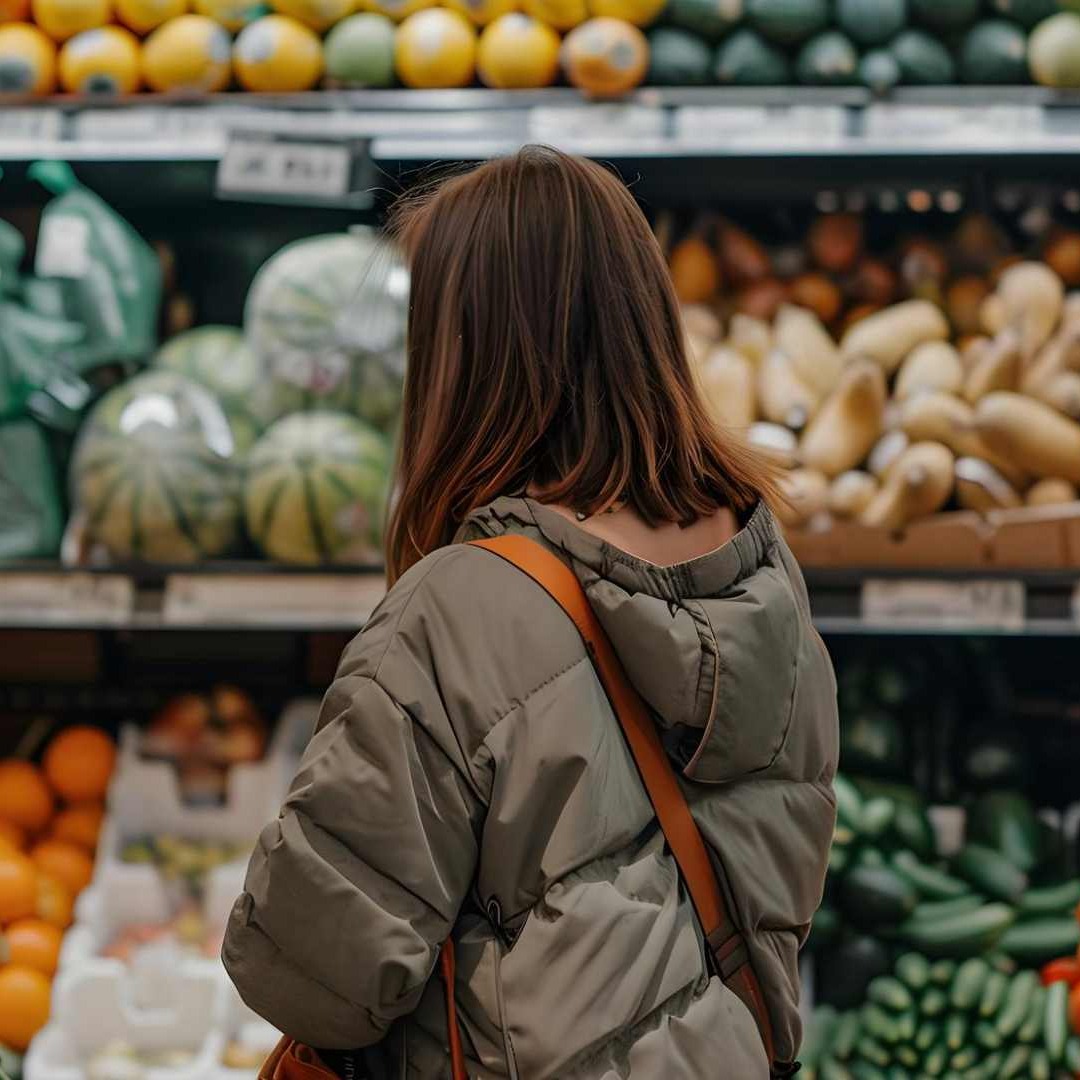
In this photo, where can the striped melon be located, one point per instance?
(219, 358)
(328, 314)
(155, 474)
(315, 487)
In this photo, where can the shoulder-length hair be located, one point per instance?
(545, 350)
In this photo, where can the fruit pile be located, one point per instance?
(50, 817)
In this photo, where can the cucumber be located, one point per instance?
(993, 994)
(942, 909)
(899, 1072)
(831, 1069)
(877, 816)
(890, 993)
(913, 970)
(942, 972)
(869, 856)
(1072, 1054)
(967, 986)
(991, 873)
(877, 1023)
(965, 934)
(1005, 822)
(1050, 900)
(1033, 943)
(912, 828)
(1031, 1030)
(999, 961)
(1056, 1022)
(955, 1032)
(863, 1070)
(1039, 1065)
(906, 1023)
(965, 1058)
(845, 1036)
(824, 929)
(987, 1069)
(1015, 1063)
(907, 1057)
(926, 880)
(819, 1036)
(987, 1036)
(1017, 999)
(871, 1050)
(936, 1059)
(933, 1003)
(874, 896)
(927, 1035)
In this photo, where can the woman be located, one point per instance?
(468, 777)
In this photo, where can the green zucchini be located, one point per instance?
(993, 994)
(1031, 1030)
(913, 970)
(863, 1070)
(966, 934)
(912, 828)
(991, 873)
(937, 1057)
(899, 1072)
(1039, 1065)
(999, 961)
(869, 1049)
(956, 1030)
(1056, 1022)
(1034, 942)
(878, 1024)
(926, 1035)
(967, 986)
(849, 803)
(1050, 900)
(907, 1056)
(965, 1058)
(934, 910)
(929, 882)
(905, 1025)
(1005, 822)
(819, 1036)
(845, 1036)
(877, 816)
(942, 972)
(867, 855)
(1015, 1063)
(987, 1036)
(1072, 1054)
(988, 1067)
(874, 896)
(933, 1003)
(1017, 999)
(890, 993)
(831, 1069)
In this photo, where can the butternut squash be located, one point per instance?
(727, 382)
(972, 350)
(998, 368)
(992, 315)
(850, 493)
(918, 484)
(776, 442)
(888, 336)
(848, 423)
(1032, 296)
(886, 452)
(784, 397)
(752, 337)
(1062, 391)
(1051, 492)
(1032, 435)
(813, 353)
(805, 495)
(934, 365)
(980, 487)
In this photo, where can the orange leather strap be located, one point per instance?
(453, 1032)
(725, 941)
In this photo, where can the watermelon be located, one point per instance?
(994, 51)
(1027, 13)
(923, 60)
(155, 473)
(315, 487)
(711, 19)
(747, 59)
(219, 358)
(787, 22)
(946, 14)
(827, 60)
(871, 22)
(1054, 51)
(327, 314)
(879, 71)
(678, 58)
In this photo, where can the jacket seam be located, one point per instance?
(535, 690)
(718, 669)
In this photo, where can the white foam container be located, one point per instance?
(238, 1016)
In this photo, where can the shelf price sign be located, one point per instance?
(63, 599)
(977, 604)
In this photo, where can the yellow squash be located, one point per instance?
(191, 53)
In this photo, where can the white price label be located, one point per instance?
(957, 125)
(781, 127)
(603, 121)
(63, 247)
(976, 604)
(286, 600)
(30, 124)
(253, 166)
(60, 599)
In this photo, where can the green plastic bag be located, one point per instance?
(31, 508)
(12, 250)
(109, 277)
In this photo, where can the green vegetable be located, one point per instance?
(878, 1024)
(824, 930)
(956, 1030)
(710, 19)
(747, 59)
(988, 1068)
(987, 1036)
(877, 816)
(942, 972)
(831, 1069)
(869, 856)
(968, 984)
(943, 909)
(1050, 900)
(829, 59)
(1017, 1001)
(1027, 13)
(889, 992)
(913, 969)
(964, 1058)
(871, 1050)
(839, 857)
(994, 51)
(874, 896)
(879, 71)
(933, 1003)
(946, 15)
(1031, 1030)
(1072, 1054)
(819, 1036)
(993, 994)
(787, 22)
(1034, 942)
(863, 1070)
(1005, 822)
(937, 1057)
(923, 60)
(900, 1071)
(1056, 1022)
(845, 1036)
(1015, 1062)
(871, 22)
(931, 883)
(991, 872)
(966, 934)
(927, 1035)
(845, 971)
(1039, 1065)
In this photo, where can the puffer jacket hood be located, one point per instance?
(467, 778)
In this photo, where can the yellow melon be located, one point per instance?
(27, 60)
(63, 19)
(558, 14)
(396, 9)
(234, 15)
(481, 12)
(638, 12)
(435, 48)
(191, 53)
(605, 57)
(279, 55)
(142, 16)
(14, 10)
(318, 14)
(103, 61)
(518, 52)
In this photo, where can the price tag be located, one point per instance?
(267, 166)
(607, 122)
(286, 600)
(63, 247)
(954, 125)
(977, 604)
(44, 124)
(782, 127)
(63, 599)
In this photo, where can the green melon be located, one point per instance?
(787, 22)
(359, 51)
(315, 487)
(923, 60)
(879, 71)
(1027, 13)
(1054, 51)
(747, 59)
(712, 19)
(155, 473)
(946, 14)
(871, 22)
(678, 58)
(828, 59)
(327, 314)
(994, 51)
(219, 358)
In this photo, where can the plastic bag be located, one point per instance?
(31, 508)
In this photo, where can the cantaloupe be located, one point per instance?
(435, 49)
(517, 52)
(359, 51)
(27, 60)
(191, 53)
(320, 15)
(277, 54)
(63, 19)
(104, 61)
(605, 57)
(142, 16)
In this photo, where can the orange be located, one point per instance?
(55, 905)
(79, 824)
(18, 887)
(25, 799)
(11, 836)
(66, 862)
(24, 1005)
(32, 943)
(79, 762)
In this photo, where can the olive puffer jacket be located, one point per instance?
(467, 776)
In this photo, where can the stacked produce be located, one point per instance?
(50, 817)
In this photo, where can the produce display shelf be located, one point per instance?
(403, 126)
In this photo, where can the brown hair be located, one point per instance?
(546, 349)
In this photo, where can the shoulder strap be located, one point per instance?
(726, 944)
